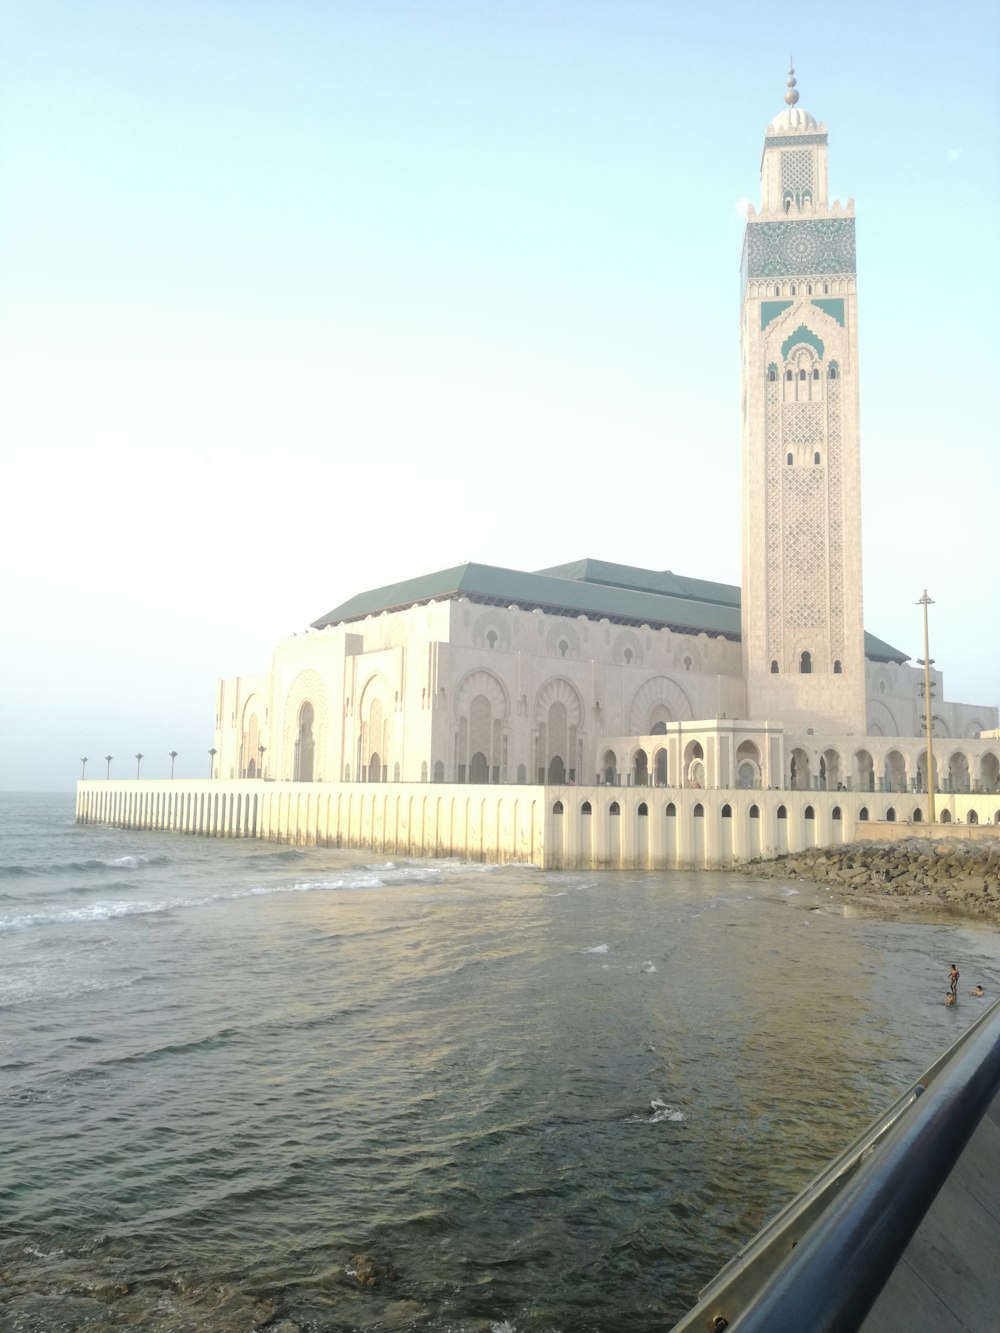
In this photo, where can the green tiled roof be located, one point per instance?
(593, 588)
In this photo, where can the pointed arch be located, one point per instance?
(660, 700)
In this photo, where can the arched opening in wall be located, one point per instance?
(864, 771)
(439, 771)
(658, 729)
(660, 767)
(996, 816)
(890, 814)
(670, 811)
(756, 837)
(748, 770)
(699, 812)
(789, 460)
(774, 666)
(727, 812)
(304, 745)
(557, 771)
(781, 829)
(800, 776)
(585, 809)
(694, 764)
(837, 668)
(252, 769)
(945, 816)
(614, 808)
(479, 769)
(609, 768)
(805, 663)
(557, 808)
(972, 817)
(640, 769)
(917, 816)
(782, 812)
(374, 767)
(989, 772)
(835, 813)
(522, 773)
(809, 813)
(863, 814)
(816, 456)
(755, 812)
(895, 772)
(958, 772)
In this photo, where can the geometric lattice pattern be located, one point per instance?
(797, 175)
(835, 520)
(805, 547)
(802, 423)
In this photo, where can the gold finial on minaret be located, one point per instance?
(792, 96)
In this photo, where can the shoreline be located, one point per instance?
(917, 877)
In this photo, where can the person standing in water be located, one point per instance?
(953, 979)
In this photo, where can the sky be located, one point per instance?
(303, 297)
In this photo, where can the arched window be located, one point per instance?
(671, 811)
(890, 815)
(491, 638)
(585, 808)
(777, 291)
(826, 289)
(557, 809)
(788, 460)
(918, 816)
(774, 667)
(699, 812)
(727, 812)
(815, 374)
(863, 812)
(805, 663)
(789, 374)
(816, 459)
(836, 812)
(614, 808)
(782, 812)
(643, 810)
(802, 374)
(831, 374)
(772, 374)
(809, 290)
(563, 647)
(837, 668)
(754, 812)
(809, 813)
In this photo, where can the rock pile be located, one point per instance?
(960, 877)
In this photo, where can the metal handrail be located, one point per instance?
(839, 1263)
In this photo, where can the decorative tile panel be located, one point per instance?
(832, 306)
(807, 246)
(794, 140)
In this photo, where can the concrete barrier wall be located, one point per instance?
(555, 827)
(899, 832)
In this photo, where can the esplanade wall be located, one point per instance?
(565, 827)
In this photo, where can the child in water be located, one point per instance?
(949, 997)
(953, 976)
(978, 992)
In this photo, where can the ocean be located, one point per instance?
(252, 1086)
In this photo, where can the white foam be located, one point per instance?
(648, 966)
(599, 948)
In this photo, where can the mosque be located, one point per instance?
(592, 673)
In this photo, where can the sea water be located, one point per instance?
(247, 1085)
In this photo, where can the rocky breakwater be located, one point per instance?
(918, 873)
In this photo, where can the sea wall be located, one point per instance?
(555, 827)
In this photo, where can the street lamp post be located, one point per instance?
(107, 759)
(83, 770)
(211, 761)
(926, 662)
(261, 749)
(173, 756)
(138, 765)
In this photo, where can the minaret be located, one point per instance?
(803, 637)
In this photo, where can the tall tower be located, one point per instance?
(803, 637)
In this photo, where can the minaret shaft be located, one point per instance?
(803, 637)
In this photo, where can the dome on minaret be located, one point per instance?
(793, 117)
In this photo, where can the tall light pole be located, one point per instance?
(138, 765)
(261, 749)
(107, 759)
(926, 662)
(83, 770)
(173, 756)
(211, 761)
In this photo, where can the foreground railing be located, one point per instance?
(821, 1263)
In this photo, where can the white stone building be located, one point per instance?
(596, 673)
